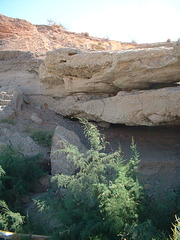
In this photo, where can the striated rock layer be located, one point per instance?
(106, 86)
(110, 72)
(150, 108)
(132, 87)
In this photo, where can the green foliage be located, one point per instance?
(176, 229)
(161, 208)
(8, 219)
(42, 137)
(9, 121)
(27, 128)
(101, 200)
(21, 173)
(146, 231)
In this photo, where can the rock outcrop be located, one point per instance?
(22, 143)
(10, 102)
(110, 72)
(130, 87)
(20, 70)
(149, 108)
(138, 86)
(59, 163)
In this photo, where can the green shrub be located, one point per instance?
(8, 219)
(101, 200)
(161, 208)
(42, 137)
(21, 173)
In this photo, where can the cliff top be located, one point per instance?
(18, 34)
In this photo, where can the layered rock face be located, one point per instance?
(19, 70)
(149, 108)
(132, 87)
(106, 72)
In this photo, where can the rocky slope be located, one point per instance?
(17, 34)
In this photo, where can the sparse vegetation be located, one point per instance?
(55, 24)
(17, 176)
(86, 34)
(9, 121)
(42, 137)
(27, 128)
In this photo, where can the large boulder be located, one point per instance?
(22, 143)
(59, 162)
(10, 102)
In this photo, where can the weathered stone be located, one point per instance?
(110, 72)
(72, 81)
(10, 102)
(36, 119)
(150, 108)
(59, 163)
(21, 142)
(25, 99)
(19, 70)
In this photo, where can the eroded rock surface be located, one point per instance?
(20, 70)
(132, 87)
(10, 102)
(110, 72)
(59, 163)
(21, 142)
(150, 108)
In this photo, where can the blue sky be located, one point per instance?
(122, 20)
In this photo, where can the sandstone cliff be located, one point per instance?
(107, 86)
